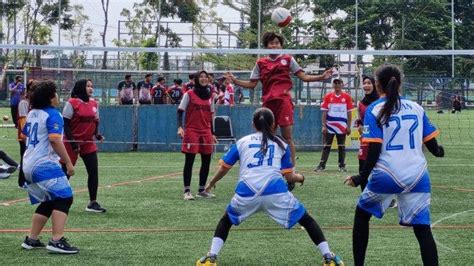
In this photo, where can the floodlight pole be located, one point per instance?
(452, 38)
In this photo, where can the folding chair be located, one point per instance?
(223, 131)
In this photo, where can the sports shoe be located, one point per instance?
(206, 195)
(319, 168)
(61, 246)
(188, 196)
(32, 244)
(209, 260)
(95, 207)
(342, 169)
(393, 204)
(11, 169)
(332, 259)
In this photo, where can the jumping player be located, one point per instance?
(197, 136)
(47, 183)
(81, 127)
(395, 130)
(264, 166)
(274, 72)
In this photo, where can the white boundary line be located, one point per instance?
(446, 218)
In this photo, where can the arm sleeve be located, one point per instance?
(23, 109)
(294, 67)
(180, 118)
(230, 158)
(350, 105)
(286, 165)
(372, 132)
(54, 125)
(372, 157)
(325, 104)
(68, 110)
(255, 75)
(429, 130)
(434, 148)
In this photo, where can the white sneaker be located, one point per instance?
(188, 196)
(206, 195)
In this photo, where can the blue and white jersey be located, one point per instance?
(259, 174)
(42, 125)
(401, 162)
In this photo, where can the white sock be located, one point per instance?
(324, 248)
(216, 246)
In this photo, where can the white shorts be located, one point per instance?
(283, 208)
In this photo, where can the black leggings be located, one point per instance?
(361, 166)
(92, 167)
(360, 239)
(313, 229)
(59, 204)
(21, 174)
(203, 172)
(7, 159)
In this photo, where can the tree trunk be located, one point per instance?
(105, 8)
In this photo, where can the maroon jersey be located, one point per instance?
(275, 75)
(198, 112)
(84, 117)
(188, 86)
(159, 94)
(175, 93)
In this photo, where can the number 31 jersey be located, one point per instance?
(402, 139)
(259, 174)
(41, 125)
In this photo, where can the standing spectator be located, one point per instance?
(336, 121)
(126, 91)
(212, 83)
(144, 90)
(23, 109)
(229, 94)
(274, 72)
(190, 84)
(239, 95)
(16, 89)
(81, 127)
(198, 105)
(159, 91)
(175, 92)
(221, 94)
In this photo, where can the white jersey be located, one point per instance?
(402, 157)
(41, 125)
(259, 174)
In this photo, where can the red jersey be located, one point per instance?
(84, 117)
(158, 93)
(198, 112)
(275, 75)
(188, 86)
(176, 93)
(362, 108)
(337, 107)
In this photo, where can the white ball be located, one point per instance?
(281, 16)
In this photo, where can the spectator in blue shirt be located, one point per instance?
(16, 89)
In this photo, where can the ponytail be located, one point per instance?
(389, 78)
(263, 120)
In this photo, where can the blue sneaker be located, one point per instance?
(332, 259)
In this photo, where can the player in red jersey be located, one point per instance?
(159, 91)
(197, 136)
(189, 85)
(274, 72)
(81, 125)
(175, 93)
(370, 96)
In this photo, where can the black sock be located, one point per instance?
(313, 229)
(188, 170)
(360, 235)
(223, 227)
(429, 253)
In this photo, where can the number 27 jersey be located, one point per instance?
(402, 141)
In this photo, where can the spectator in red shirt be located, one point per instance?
(229, 94)
(81, 128)
(189, 85)
(197, 136)
(175, 92)
(159, 91)
(336, 121)
(274, 72)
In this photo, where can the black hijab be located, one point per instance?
(373, 96)
(80, 90)
(203, 92)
